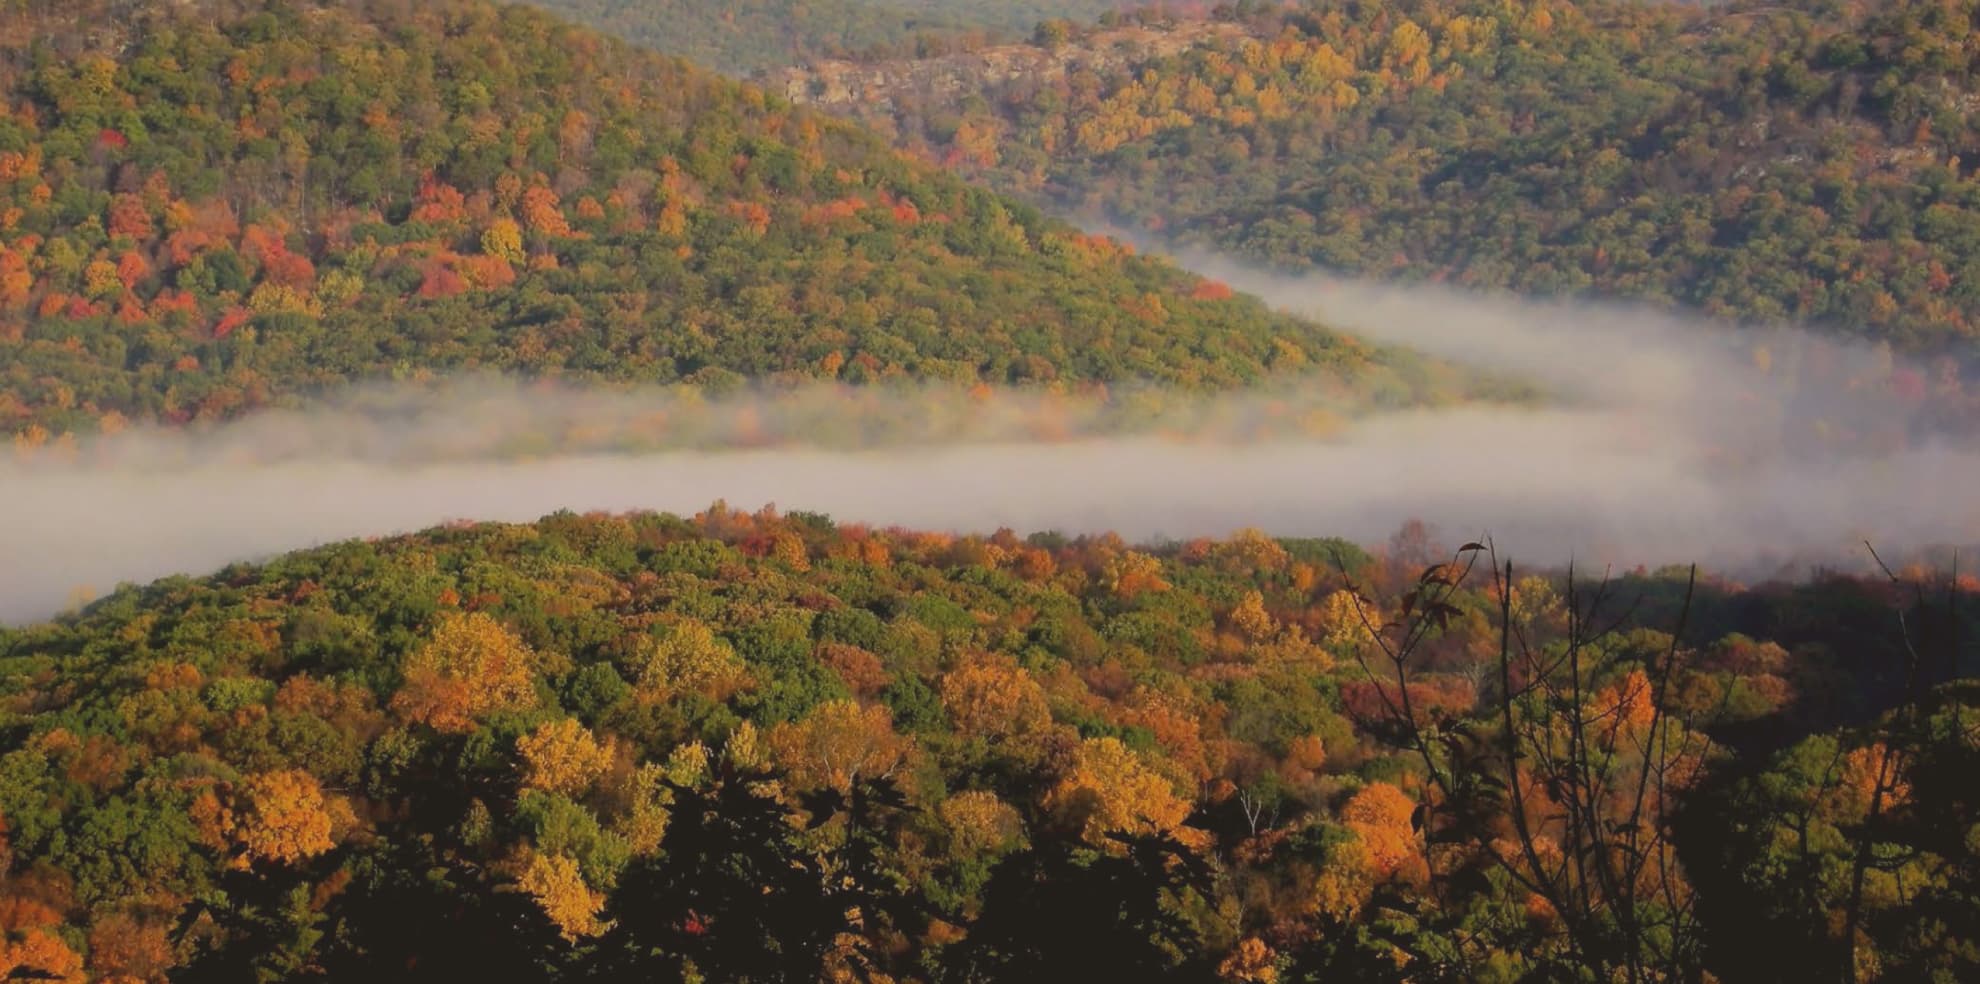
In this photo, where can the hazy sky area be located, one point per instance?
(1669, 443)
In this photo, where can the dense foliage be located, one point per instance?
(758, 747)
(1810, 161)
(757, 34)
(762, 747)
(209, 207)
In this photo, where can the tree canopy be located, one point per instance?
(751, 746)
(1753, 160)
(209, 207)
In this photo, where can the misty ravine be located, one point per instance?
(1654, 450)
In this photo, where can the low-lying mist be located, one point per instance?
(1664, 442)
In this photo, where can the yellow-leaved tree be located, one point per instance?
(978, 823)
(688, 659)
(558, 887)
(994, 699)
(562, 757)
(282, 816)
(471, 666)
(838, 744)
(1251, 618)
(1111, 790)
(1132, 573)
(504, 239)
(1348, 624)
(643, 824)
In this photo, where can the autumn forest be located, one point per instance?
(1588, 265)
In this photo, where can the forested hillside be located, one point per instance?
(764, 747)
(207, 207)
(752, 747)
(749, 35)
(1757, 160)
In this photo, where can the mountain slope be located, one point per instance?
(1754, 160)
(209, 207)
(768, 748)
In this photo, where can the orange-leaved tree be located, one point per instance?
(471, 666)
(281, 817)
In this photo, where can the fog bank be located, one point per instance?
(1666, 444)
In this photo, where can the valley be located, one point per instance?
(919, 491)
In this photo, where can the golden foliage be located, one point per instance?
(1306, 752)
(1111, 790)
(1535, 604)
(1347, 623)
(1339, 890)
(1177, 729)
(643, 825)
(1629, 704)
(1251, 550)
(978, 822)
(287, 817)
(1304, 578)
(281, 816)
(838, 744)
(470, 667)
(687, 765)
(503, 239)
(38, 954)
(1252, 962)
(789, 548)
(690, 659)
(562, 757)
(744, 747)
(1132, 573)
(672, 222)
(992, 697)
(559, 889)
(1379, 814)
(1251, 618)
(274, 298)
(100, 280)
